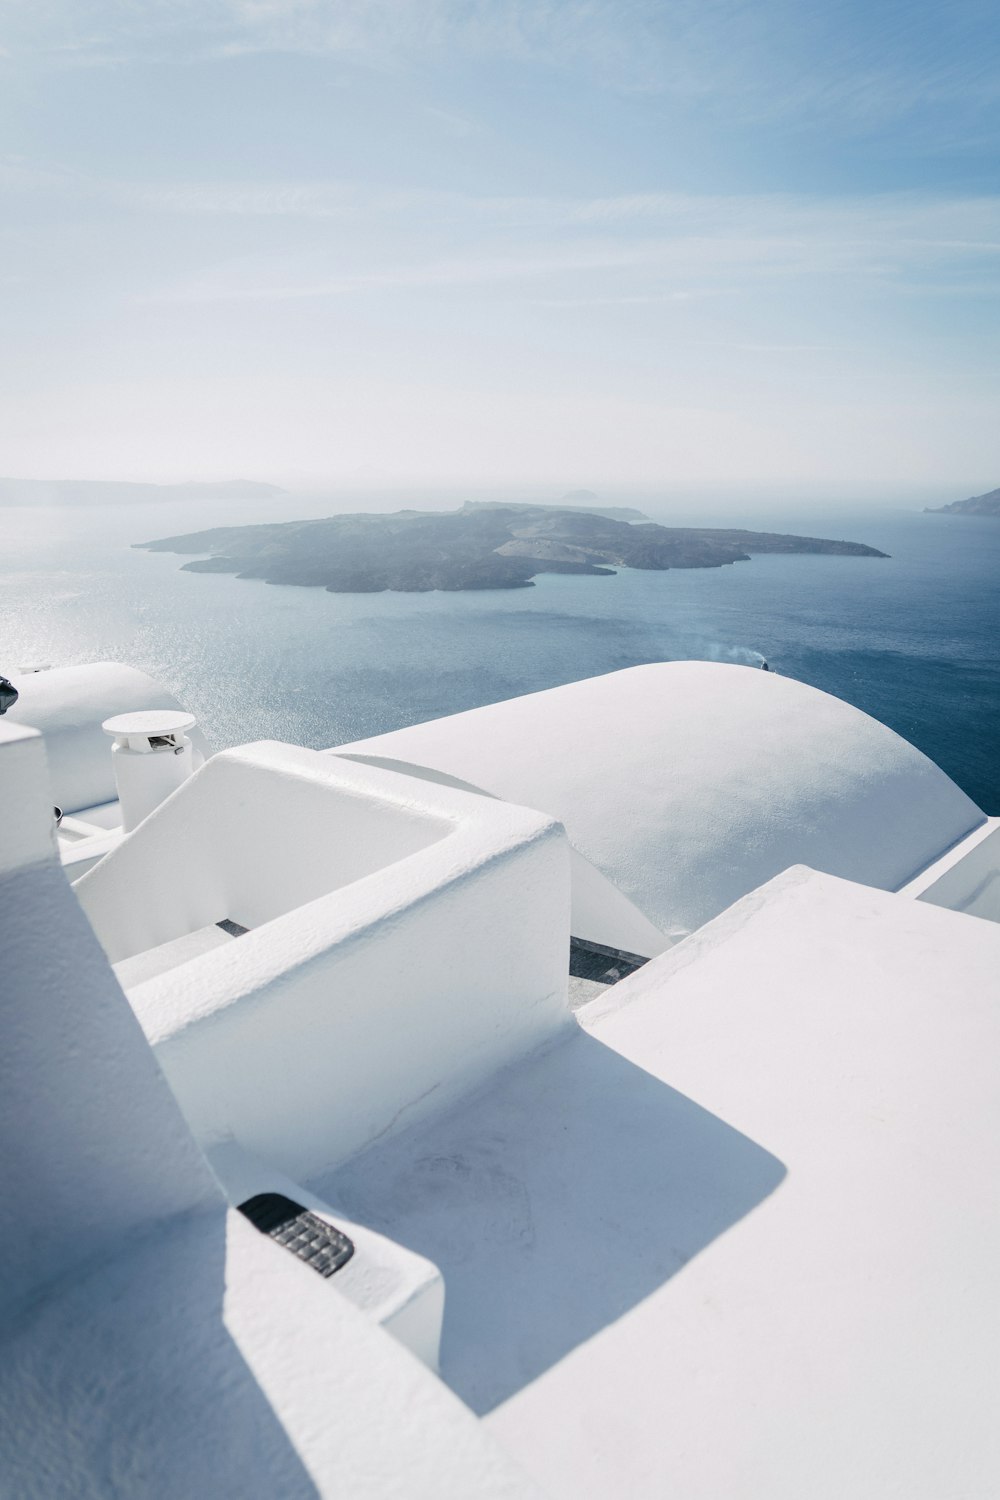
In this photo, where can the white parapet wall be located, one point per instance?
(688, 784)
(967, 878)
(401, 1291)
(406, 940)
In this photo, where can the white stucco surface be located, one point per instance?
(967, 878)
(255, 833)
(688, 784)
(152, 1345)
(78, 1176)
(210, 1362)
(844, 1337)
(735, 1234)
(86, 836)
(29, 830)
(401, 1291)
(738, 1236)
(169, 955)
(407, 940)
(68, 705)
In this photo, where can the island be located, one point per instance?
(976, 505)
(476, 547)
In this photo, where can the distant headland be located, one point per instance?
(976, 505)
(477, 547)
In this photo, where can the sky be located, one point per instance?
(558, 242)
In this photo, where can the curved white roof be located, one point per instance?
(690, 783)
(68, 706)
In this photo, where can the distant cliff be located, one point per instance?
(477, 547)
(976, 505)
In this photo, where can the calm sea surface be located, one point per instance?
(914, 641)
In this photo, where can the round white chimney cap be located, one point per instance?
(149, 722)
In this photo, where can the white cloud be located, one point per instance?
(600, 31)
(764, 61)
(632, 327)
(696, 244)
(627, 249)
(912, 222)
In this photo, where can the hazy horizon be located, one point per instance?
(762, 506)
(549, 243)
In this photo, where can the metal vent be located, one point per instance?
(306, 1235)
(602, 965)
(233, 928)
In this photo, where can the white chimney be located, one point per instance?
(151, 755)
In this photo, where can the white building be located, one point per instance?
(727, 1228)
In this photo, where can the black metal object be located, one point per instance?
(602, 964)
(305, 1234)
(8, 695)
(233, 928)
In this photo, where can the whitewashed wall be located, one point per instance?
(414, 939)
(80, 1172)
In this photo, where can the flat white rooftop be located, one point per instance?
(738, 1235)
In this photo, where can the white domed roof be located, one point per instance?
(690, 783)
(68, 705)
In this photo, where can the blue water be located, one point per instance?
(913, 641)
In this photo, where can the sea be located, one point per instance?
(913, 640)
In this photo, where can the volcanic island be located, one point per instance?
(479, 546)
